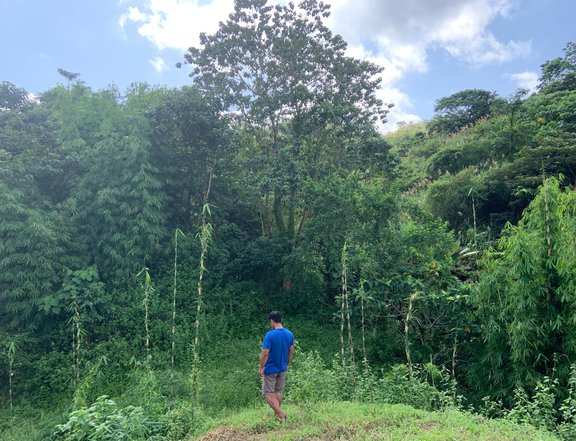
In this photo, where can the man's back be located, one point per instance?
(278, 341)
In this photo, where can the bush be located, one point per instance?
(550, 407)
(310, 380)
(145, 392)
(105, 421)
(182, 422)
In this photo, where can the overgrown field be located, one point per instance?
(366, 422)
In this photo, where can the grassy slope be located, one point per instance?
(365, 422)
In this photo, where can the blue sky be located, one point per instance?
(429, 48)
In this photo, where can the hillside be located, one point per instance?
(354, 421)
(146, 234)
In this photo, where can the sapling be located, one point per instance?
(147, 291)
(342, 345)
(546, 197)
(77, 332)
(11, 354)
(411, 300)
(345, 297)
(205, 236)
(177, 233)
(361, 294)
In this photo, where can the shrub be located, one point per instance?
(182, 422)
(397, 387)
(105, 421)
(550, 407)
(310, 380)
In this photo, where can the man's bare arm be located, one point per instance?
(263, 360)
(290, 356)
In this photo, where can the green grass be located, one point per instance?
(365, 422)
(29, 425)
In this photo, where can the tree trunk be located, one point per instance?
(277, 212)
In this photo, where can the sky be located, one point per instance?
(429, 48)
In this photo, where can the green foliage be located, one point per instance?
(32, 262)
(560, 73)
(550, 406)
(145, 392)
(463, 109)
(310, 381)
(105, 421)
(122, 198)
(181, 423)
(93, 185)
(83, 287)
(265, 63)
(567, 410)
(12, 97)
(526, 294)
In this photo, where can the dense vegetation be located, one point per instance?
(145, 235)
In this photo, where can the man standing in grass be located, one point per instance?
(277, 353)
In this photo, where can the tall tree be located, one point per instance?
(122, 202)
(282, 74)
(188, 143)
(12, 97)
(462, 109)
(526, 295)
(32, 252)
(560, 73)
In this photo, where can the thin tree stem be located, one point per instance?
(406, 331)
(205, 234)
(365, 358)
(173, 355)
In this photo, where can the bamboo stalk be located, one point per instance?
(205, 235)
(365, 358)
(345, 293)
(78, 341)
(145, 303)
(173, 355)
(146, 327)
(11, 358)
(406, 330)
(342, 346)
(454, 349)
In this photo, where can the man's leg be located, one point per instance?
(269, 383)
(279, 390)
(275, 405)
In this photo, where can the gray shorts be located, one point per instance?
(274, 384)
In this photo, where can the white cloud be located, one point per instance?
(399, 113)
(397, 35)
(134, 14)
(176, 23)
(405, 30)
(525, 80)
(159, 64)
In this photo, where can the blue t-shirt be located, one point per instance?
(279, 342)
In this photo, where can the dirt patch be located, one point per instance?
(348, 432)
(482, 420)
(228, 434)
(429, 425)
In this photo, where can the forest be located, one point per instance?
(146, 234)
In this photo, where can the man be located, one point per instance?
(277, 353)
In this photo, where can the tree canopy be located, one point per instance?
(462, 109)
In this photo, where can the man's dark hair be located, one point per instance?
(275, 317)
